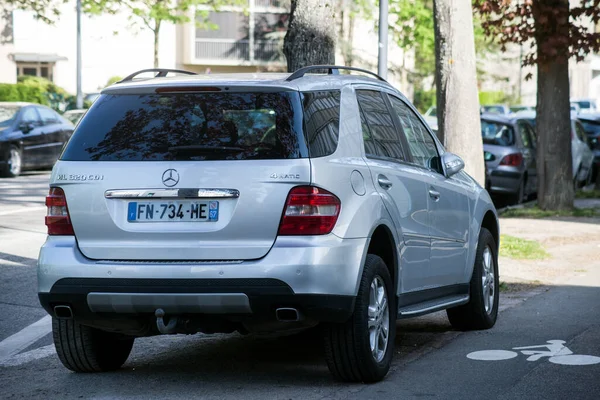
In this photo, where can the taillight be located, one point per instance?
(513, 160)
(57, 219)
(309, 211)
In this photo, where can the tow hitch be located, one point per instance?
(160, 323)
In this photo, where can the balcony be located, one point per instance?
(239, 52)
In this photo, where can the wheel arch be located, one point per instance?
(382, 243)
(490, 222)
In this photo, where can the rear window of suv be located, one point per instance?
(190, 127)
(497, 133)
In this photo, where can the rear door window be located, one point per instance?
(497, 133)
(190, 127)
(48, 116)
(422, 146)
(380, 135)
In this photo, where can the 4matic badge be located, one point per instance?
(284, 176)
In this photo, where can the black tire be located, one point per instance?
(519, 197)
(473, 315)
(7, 170)
(84, 349)
(347, 346)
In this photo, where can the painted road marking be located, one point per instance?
(555, 350)
(28, 356)
(492, 355)
(21, 340)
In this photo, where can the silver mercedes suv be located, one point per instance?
(261, 203)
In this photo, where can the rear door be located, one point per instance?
(400, 185)
(528, 149)
(34, 142)
(447, 201)
(183, 176)
(52, 131)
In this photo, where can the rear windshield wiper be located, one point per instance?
(201, 148)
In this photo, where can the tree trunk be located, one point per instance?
(553, 120)
(459, 125)
(310, 39)
(156, 38)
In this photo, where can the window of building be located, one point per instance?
(253, 34)
(39, 69)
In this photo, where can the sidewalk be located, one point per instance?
(573, 243)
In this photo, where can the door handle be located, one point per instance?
(384, 182)
(434, 195)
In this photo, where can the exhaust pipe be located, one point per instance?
(63, 312)
(287, 314)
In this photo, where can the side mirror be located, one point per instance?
(26, 127)
(452, 163)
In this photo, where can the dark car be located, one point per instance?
(591, 125)
(509, 152)
(31, 136)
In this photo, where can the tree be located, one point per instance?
(310, 39)
(152, 13)
(555, 33)
(459, 126)
(45, 10)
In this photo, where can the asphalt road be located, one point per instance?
(431, 359)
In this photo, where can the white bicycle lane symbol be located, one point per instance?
(555, 350)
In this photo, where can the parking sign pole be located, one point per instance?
(383, 39)
(79, 93)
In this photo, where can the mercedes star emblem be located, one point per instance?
(170, 177)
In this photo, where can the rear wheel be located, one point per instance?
(14, 162)
(361, 349)
(84, 349)
(481, 311)
(519, 197)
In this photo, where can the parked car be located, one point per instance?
(509, 146)
(585, 105)
(261, 203)
(74, 115)
(31, 136)
(501, 109)
(581, 153)
(591, 125)
(519, 108)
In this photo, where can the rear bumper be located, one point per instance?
(257, 299)
(317, 275)
(505, 181)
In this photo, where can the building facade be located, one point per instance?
(235, 39)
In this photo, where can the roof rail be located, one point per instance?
(161, 73)
(332, 70)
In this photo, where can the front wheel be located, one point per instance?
(361, 349)
(481, 311)
(14, 163)
(81, 348)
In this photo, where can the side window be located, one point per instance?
(48, 116)
(30, 116)
(532, 135)
(421, 143)
(524, 134)
(379, 132)
(322, 121)
(580, 132)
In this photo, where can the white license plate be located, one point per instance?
(173, 211)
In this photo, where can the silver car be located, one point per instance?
(509, 148)
(261, 203)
